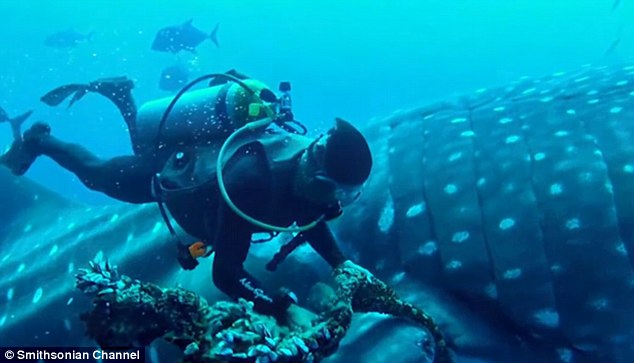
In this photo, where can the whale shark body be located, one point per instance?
(505, 214)
(518, 201)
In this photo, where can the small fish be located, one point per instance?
(67, 39)
(173, 39)
(173, 78)
(615, 5)
(610, 49)
(16, 122)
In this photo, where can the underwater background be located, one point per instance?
(351, 59)
(374, 63)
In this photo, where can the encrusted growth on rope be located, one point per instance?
(129, 312)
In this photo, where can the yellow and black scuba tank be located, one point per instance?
(220, 117)
(205, 115)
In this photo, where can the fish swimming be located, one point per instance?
(173, 39)
(67, 39)
(173, 78)
(615, 5)
(508, 212)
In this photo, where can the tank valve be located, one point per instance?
(285, 102)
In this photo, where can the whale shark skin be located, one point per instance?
(504, 213)
(516, 200)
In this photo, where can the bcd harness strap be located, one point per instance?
(220, 116)
(220, 113)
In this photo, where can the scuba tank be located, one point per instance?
(222, 127)
(202, 116)
(259, 115)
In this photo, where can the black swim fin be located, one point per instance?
(116, 89)
(119, 91)
(59, 94)
(16, 122)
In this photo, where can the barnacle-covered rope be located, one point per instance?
(129, 312)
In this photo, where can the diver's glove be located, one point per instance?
(187, 256)
(282, 300)
(290, 313)
(285, 297)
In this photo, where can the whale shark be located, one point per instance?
(50, 238)
(504, 214)
(516, 200)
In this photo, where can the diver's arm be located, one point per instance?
(246, 181)
(324, 243)
(232, 246)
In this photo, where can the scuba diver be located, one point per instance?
(226, 163)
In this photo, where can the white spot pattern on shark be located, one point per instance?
(506, 223)
(556, 189)
(415, 210)
(572, 223)
(455, 156)
(450, 188)
(512, 274)
(512, 139)
(37, 295)
(429, 248)
(460, 236)
(386, 220)
(547, 317)
(454, 265)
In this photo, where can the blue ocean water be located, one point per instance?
(359, 60)
(353, 59)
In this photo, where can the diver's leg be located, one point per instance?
(127, 178)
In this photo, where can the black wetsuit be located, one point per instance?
(263, 193)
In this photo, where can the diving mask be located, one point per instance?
(331, 189)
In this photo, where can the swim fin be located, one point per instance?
(116, 89)
(16, 122)
(59, 94)
(119, 91)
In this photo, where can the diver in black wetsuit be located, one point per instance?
(271, 179)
